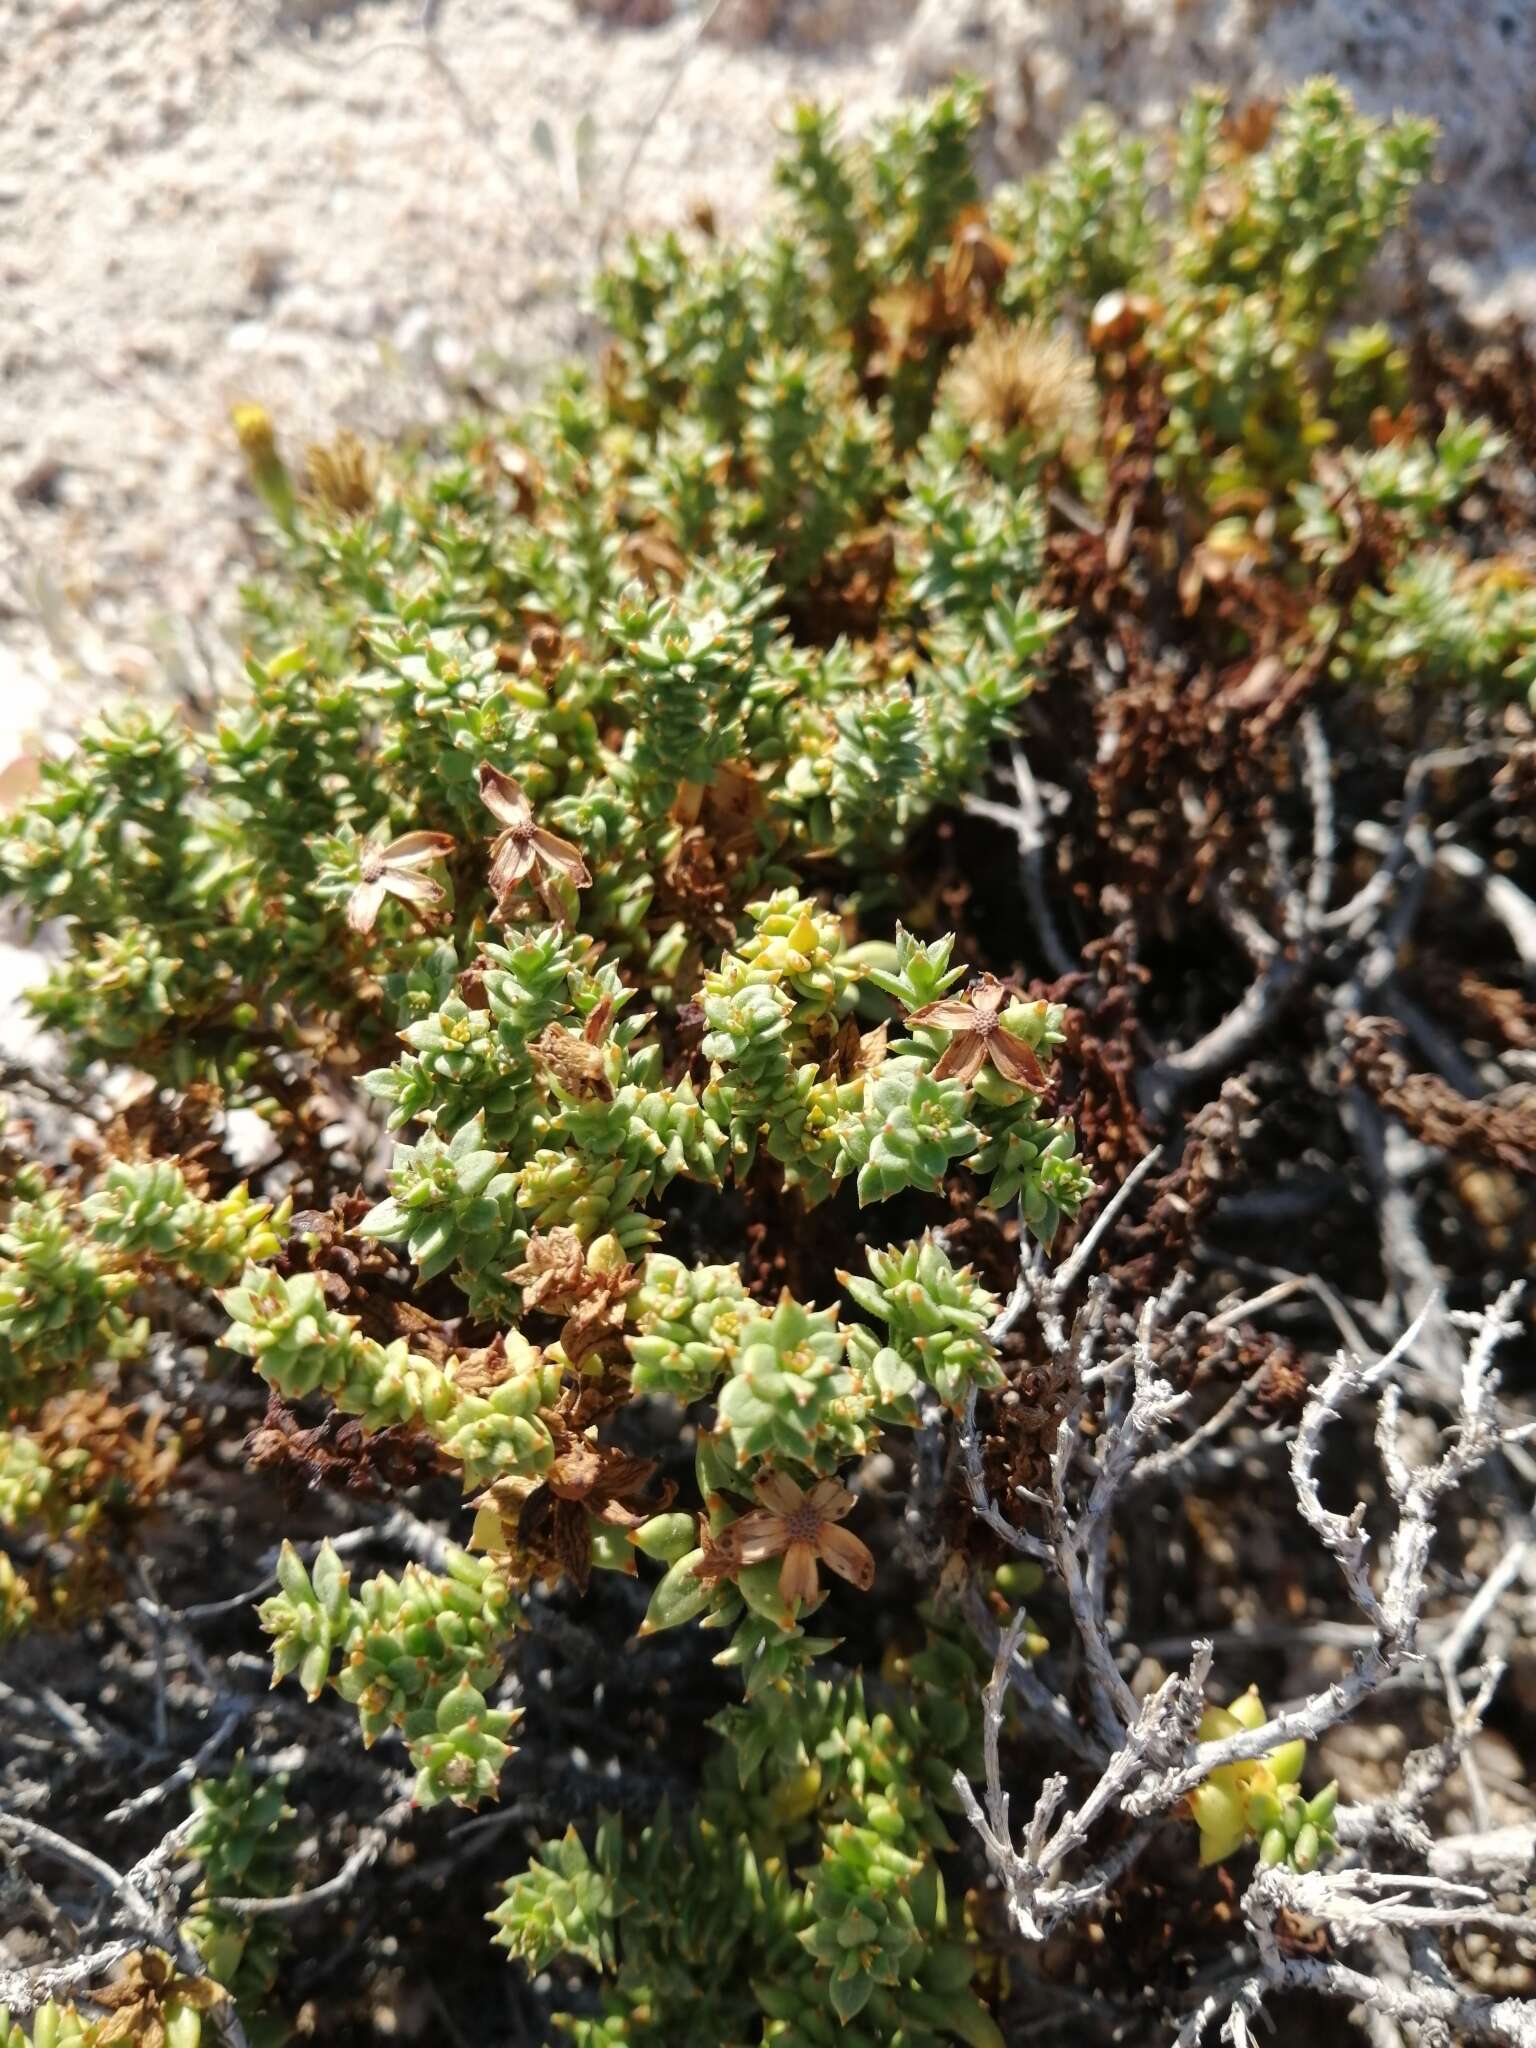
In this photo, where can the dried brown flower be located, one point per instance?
(1024, 379)
(557, 1277)
(145, 1995)
(857, 1052)
(1247, 128)
(649, 552)
(799, 1527)
(524, 847)
(548, 1525)
(479, 1371)
(1119, 318)
(976, 1018)
(554, 1272)
(546, 645)
(905, 321)
(340, 474)
(393, 871)
(574, 1060)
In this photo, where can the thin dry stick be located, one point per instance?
(135, 1898)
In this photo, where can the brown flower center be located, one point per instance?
(373, 863)
(803, 1524)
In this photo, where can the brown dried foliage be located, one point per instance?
(1027, 1414)
(848, 592)
(724, 825)
(340, 473)
(363, 1278)
(1499, 1129)
(556, 1278)
(1098, 1061)
(338, 1452)
(1157, 1243)
(1505, 1016)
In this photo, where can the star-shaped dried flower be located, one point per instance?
(799, 1527)
(148, 1992)
(548, 1527)
(557, 1277)
(976, 1018)
(575, 1060)
(393, 870)
(523, 847)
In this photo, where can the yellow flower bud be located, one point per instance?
(269, 476)
(253, 430)
(802, 936)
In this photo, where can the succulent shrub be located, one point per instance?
(560, 825)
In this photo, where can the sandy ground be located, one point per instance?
(361, 212)
(328, 210)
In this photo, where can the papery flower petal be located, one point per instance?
(547, 882)
(596, 1026)
(511, 858)
(503, 796)
(363, 905)
(831, 1499)
(719, 1560)
(416, 849)
(778, 1492)
(201, 1993)
(1016, 1060)
(755, 1537)
(988, 995)
(614, 1515)
(842, 1552)
(953, 1013)
(797, 1580)
(963, 1058)
(411, 888)
(131, 2022)
(560, 853)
